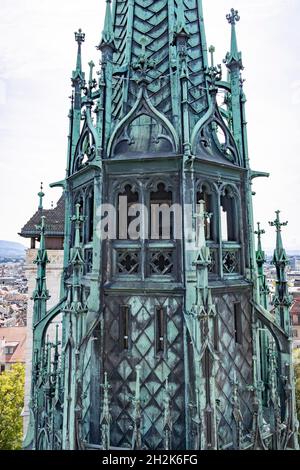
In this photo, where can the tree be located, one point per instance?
(11, 405)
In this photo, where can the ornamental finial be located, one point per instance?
(279, 253)
(78, 75)
(41, 194)
(78, 219)
(277, 222)
(42, 228)
(212, 50)
(234, 57)
(233, 17)
(143, 65)
(259, 232)
(79, 37)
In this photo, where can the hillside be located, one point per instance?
(11, 250)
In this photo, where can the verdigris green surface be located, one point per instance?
(151, 123)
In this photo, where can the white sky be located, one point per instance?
(38, 54)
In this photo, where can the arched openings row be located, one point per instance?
(146, 215)
(153, 209)
(222, 226)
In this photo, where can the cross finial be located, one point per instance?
(79, 37)
(77, 217)
(259, 231)
(233, 17)
(212, 50)
(277, 222)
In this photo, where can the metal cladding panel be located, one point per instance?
(155, 370)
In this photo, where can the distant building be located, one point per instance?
(295, 312)
(7, 281)
(12, 347)
(54, 239)
(54, 219)
(295, 263)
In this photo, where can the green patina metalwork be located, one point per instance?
(161, 346)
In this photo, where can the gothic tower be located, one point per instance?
(167, 338)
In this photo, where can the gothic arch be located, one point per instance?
(165, 131)
(209, 125)
(206, 190)
(119, 187)
(86, 148)
(153, 183)
(230, 204)
(43, 442)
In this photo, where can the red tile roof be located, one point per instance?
(15, 334)
(55, 221)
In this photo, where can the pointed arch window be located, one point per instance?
(127, 199)
(208, 196)
(161, 217)
(229, 216)
(89, 216)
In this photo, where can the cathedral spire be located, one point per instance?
(41, 195)
(74, 302)
(107, 38)
(41, 294)
(78, 77)
(234, 57)
(237, 99)
(79, 38)
(260, 260)
(282, 300)
(181, 28)
(279, 253)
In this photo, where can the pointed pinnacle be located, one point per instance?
(41, 194)
(234, 56)
(107, 33)
(42, 232)
(259, 232)
(182, 28)
(212, 50)
(91, 66)
(79, 38)
(277, 222)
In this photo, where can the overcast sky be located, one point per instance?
(37, 56)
